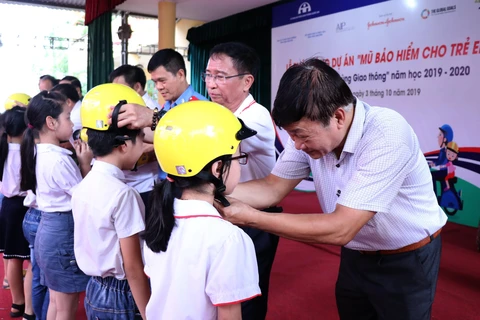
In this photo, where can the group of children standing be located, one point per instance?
(91, 225)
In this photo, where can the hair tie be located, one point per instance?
(170, 179)
(30, 126)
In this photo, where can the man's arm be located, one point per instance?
(266, 192)
(338, 228)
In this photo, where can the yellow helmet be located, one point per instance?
(452, 146)
(193, 134)
(16, 97)
(97, 102)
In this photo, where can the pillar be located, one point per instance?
(166, 24)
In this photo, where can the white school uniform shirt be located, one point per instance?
(260, 147)
(143, 179)
(105, 210)
(10, 184)
(75, 116)
(381, 169)
(30, 200)
(209, 262)
(56, 174)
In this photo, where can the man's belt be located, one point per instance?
(410, 247)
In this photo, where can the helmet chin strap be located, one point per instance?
(219, 186)
(115, 112)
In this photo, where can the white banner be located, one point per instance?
(421, 58)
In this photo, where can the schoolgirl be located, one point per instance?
(51, 172)
(200, 266)
(12, 242)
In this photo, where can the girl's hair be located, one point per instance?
(160, 220)
(43, 105)
(14, 126)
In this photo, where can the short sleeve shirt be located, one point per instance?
(381, 169)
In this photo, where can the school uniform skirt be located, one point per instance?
(55, 255)
(12, 242)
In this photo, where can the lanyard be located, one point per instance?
(251, 104)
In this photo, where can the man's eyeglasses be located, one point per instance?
(242, 158)
(207, 77)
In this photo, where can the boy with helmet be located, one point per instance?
(199, 255)
(109, 214)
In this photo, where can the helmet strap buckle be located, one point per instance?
(219, 186)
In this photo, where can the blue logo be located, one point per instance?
(304, 8)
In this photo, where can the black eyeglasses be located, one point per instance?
(242, 158)
(219, 79)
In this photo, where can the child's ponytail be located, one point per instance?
(27, 152)
(14, 126)
(160, 219)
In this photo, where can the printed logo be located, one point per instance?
(304, 8)
(342, 26)
(386, 22)
(435, 12)
(425, 13)
(304, 11)
(181, 169)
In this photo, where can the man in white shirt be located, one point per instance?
(142, 178)
(229, 75)
(374, 185)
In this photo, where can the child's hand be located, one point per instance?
(83, 151)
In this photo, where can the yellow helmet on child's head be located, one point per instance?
(192, 134)
(452, 146)
(13, 100)
(97, 103)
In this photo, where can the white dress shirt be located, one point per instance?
(260, 147)
(381, 169)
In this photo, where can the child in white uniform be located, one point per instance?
(53, 174)
(200, 266)
(109, 214)
(12, 242)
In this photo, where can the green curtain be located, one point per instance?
(253, 28)
(100, 50)
(198, 56)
